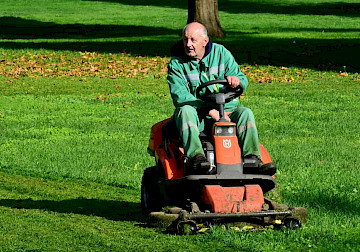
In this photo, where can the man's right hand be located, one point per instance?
(216, 116)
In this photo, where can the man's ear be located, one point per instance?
(206, 40)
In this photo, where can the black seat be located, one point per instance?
(169, 130)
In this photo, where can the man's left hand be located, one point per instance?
(234, 81)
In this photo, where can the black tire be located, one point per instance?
(291, 223)
(186, 228)
(151, 198)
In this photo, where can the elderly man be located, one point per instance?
(195, 60)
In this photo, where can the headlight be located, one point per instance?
(224, 131)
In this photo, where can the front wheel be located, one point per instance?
(291, 223)
(151, 199)
(186, 228)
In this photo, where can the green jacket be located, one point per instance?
(185, 74)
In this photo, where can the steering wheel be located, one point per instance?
(222, 97)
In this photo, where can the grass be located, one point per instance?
(100, 121)
(76, 109)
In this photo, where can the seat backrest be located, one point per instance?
(169, 130)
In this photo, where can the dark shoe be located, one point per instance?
(199, 164)
(253, 165)
(267, 169)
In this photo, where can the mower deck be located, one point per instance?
(180, 221)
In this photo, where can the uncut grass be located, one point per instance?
(317, 143)
(71, 158)
(83, 136)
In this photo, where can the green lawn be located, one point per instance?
(81, 83)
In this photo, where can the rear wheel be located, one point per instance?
(151, 198)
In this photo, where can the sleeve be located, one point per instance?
(179, 87)
(232, 69)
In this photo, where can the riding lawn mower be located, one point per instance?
(228, 194)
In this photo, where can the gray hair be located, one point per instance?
(203, 31)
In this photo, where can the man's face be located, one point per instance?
(194, 43)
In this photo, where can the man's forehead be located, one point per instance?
(192, 33)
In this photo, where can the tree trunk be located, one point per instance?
(206, 12)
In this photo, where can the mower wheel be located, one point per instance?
(291, 223)
(186, 228)
(151, 199)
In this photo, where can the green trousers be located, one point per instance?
(190, 124)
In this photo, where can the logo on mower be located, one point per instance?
(227, 143)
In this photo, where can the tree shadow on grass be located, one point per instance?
(250, 6)
(328, 55)
(319, 54)
(13, 28)
(111, 210)
(19, 28)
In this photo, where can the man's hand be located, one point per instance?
(233, 81)
(215, 115)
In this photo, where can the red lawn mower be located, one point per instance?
(184, 202)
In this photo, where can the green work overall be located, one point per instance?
(185, 75)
